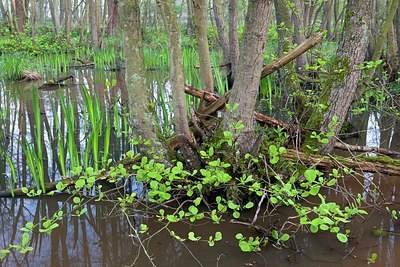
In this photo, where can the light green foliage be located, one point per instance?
(373, 258)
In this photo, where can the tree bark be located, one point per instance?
(221, 28)
(233, 36)
(55, 14)
(20, 14)
(112, 17)
(247, 78)
(182, 130)
(68, 19)
(380, 40)
(93, 24)
(200, 27)
(299, 18)
(141, 115)
(350, 55)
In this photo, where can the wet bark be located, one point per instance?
(247, 78)
(350, 55)
(200, 27)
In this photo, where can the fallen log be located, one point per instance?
(365, 164)
(367, 149)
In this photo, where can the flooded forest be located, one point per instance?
(199, 133)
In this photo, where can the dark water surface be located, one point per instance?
(104, 237)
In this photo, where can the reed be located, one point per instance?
(38, 138)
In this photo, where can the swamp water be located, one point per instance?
(103, 237)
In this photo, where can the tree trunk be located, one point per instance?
(186, 138)
(233, 36)
(299, 35)
(112, 17)
(68, 19)
(380, 40)
(141, 116)
(190, 25)
(20, 14)
(247, 79)
(200, 27)
(93, 24)
(287, 75)
(350, 55)
(221, 28)
(55, 15)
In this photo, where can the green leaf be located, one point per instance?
(342, 237)
(239, 236)
(245, 246)
(285, 237)
(192, 237)
(218, 236)
(76, 200)
(314, 191)
(310, 175)
(236, 215)
(172, 218)
(249, 205)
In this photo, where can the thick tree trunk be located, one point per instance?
(247, 78)
(182, 130)
(200, 27)
(351, 54)
(221, 28)
(141, 116)
(233, 36)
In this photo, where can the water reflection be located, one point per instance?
(18, 125)
(373, 138)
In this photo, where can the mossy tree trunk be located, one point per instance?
(200, 27)
(342, 88)
(248, 73)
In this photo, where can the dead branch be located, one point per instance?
(292, 55)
